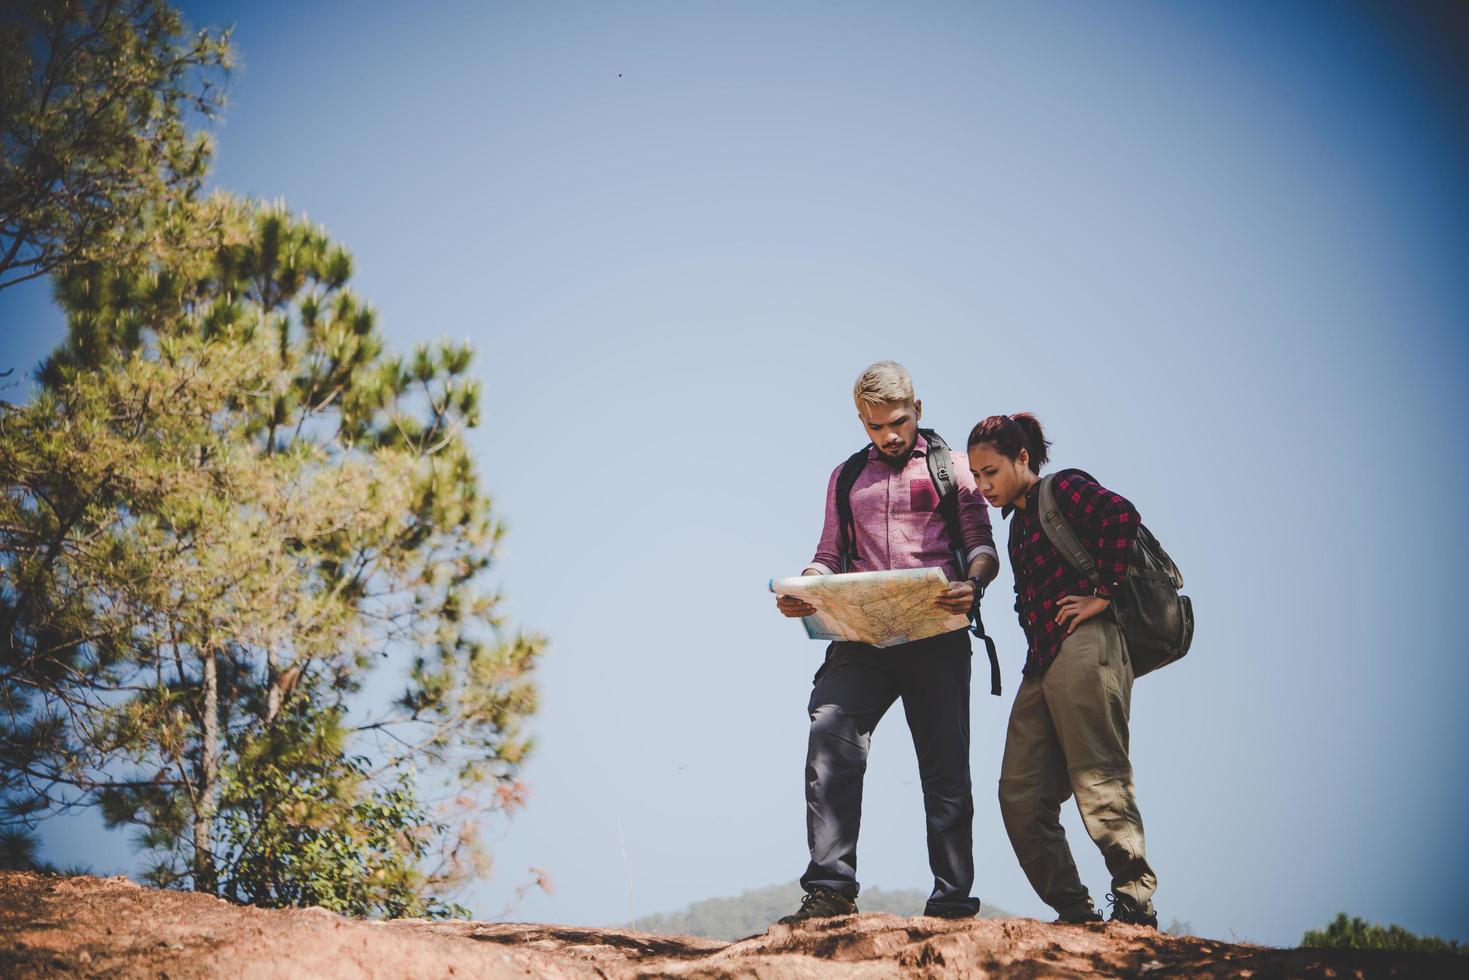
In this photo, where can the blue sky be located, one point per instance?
(1218, 249)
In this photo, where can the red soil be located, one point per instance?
(91, 927)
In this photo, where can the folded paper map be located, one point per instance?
(880, 608)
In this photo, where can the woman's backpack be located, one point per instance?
(1156, 621)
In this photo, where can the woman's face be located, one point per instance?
(1002, 480)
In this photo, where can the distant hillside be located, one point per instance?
(753, 911)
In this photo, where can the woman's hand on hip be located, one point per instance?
(1073, 610)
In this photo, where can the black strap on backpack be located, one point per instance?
(940, 470)
(989, 647)
(846, 526)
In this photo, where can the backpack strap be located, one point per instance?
(989, 647)
(940, 469)
(846, 524)
(1060, 532)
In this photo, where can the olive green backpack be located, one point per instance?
(1157, 622)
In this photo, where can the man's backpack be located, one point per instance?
(940, 470)
(1157, 622)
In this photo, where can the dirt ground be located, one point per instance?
(111, 927)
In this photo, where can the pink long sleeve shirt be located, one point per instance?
(898, 523)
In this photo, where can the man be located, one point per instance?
(896, 523)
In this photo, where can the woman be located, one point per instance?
(1068, 726)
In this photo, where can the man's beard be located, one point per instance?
(896, 462)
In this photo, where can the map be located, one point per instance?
(880, 608)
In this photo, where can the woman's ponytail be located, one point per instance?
(1011, 433)
(1035, 440)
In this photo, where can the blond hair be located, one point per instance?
(883, 383)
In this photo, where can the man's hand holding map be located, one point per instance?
(883, 609)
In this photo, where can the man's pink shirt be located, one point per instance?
(898, 521)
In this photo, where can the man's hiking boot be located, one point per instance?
(954, 912)
(1124, 912)
(1079, 914)
(820, 903)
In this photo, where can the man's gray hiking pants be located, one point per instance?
(1068, 735)
(851, 692)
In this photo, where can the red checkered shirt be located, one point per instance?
(1106, 524)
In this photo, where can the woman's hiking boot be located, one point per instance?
(820, 903)
(1122, 911)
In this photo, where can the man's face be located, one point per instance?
(892, 426)
(1002, 480)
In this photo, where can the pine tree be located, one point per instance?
(96, 97)
(229, 503)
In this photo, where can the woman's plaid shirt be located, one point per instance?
(1107, 526)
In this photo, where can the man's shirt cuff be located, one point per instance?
(819, 567)
(983, 549)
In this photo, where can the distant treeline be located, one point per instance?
(1355, 933)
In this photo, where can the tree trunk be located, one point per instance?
(204, 871)
(272, 687)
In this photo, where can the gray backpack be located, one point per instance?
(948, 491)
(1156, 621)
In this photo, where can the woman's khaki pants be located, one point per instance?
(1068, 735)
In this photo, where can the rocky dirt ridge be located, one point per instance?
(112, 927)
